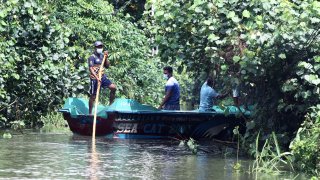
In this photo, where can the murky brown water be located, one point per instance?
(36, 155)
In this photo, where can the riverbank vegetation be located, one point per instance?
(269, 48)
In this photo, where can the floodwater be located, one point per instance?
(38, 155)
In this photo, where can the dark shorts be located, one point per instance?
(105, 82)
(171, 107)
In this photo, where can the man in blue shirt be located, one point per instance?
(171, 100)
(208, 95)
(94, 62)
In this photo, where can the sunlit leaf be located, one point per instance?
(3, 14)
(282, 56)
(207, 22)
(224, 67)
(27, 4)
(231, 14)
(236, 59)
(16, 76)
(3, 23)
(198, 9)
(159, 13)
(213, 37)
(246, 13)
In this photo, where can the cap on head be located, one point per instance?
(98, 43)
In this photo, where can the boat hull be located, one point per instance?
(179, 125)
(83, 124)
(127, 118)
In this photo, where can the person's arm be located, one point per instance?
(106, 62)
(91, 68)
(165, 99)
(221, 96)
(93, 73)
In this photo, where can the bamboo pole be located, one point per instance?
(97, 99)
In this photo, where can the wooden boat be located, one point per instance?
(126, 118)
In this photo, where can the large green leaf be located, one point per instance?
(246, 13)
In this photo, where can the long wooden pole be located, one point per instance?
(97, 99)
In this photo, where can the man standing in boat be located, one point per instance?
(171, 100)
(95, 61)
(208, 95)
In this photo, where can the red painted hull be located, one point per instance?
(83, 124)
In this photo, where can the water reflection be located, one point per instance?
(65, 156)
(94, 164)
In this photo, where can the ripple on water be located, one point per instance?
(66, 156)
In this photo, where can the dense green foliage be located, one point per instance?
(134, 8)
(35, 67)
(127, 45)
(270, 47)
(274, 45)
(306, 145)
(44, 49)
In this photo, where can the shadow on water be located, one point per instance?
(66, 156)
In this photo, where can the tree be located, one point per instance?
(274, 45)
(44, 49)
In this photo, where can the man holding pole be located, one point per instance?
(95, 61)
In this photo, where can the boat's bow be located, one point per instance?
(75, 111)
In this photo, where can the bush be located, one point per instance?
(306, 145)
(44, 49)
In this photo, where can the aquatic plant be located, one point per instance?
(18, 125)
(191, 144)
(7, 135)
(270, 159)
(237, 165)
(53, 119)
